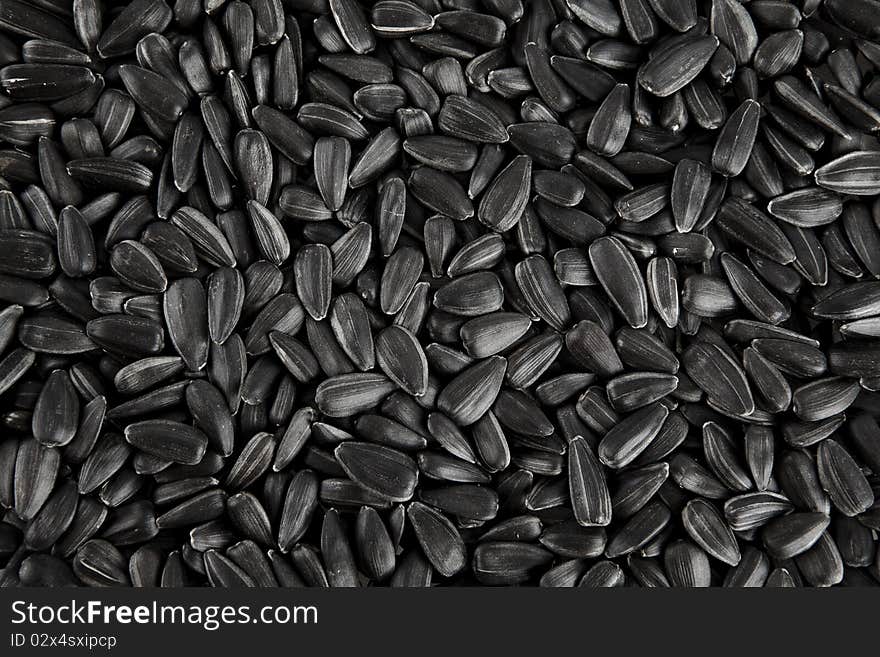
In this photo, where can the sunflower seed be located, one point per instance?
(794, 534)
(36, 468)
(677, 65)
(469, 395)
(401, 357)
(587, 488)
(854, 173)
(627, 292)
(801, 100)
(166, 439)
(185, 311)
(736, 139)
(384, 471)
(440, 541)
(639, 530)
(707, 528)
(687, 565)
(505, 199)
(842, 480)
(542, 291)
(629, 437)
(300, 504)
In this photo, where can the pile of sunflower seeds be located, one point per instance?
(440, 292)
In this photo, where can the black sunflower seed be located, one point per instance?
(170, 440)
(128, 335)
(56, 413)
(736, 139)
(185, 312)
(853, 173)
(382, 470)
(720, 377)
(347, 394)
(313, 268)
(36, 469)
(542, 292)
(76, 246)
(440, 540)
(842, 480)
(677, 65)
(626, 288)
(587, 487)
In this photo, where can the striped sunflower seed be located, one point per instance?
(440, 540)
(708, 529)
(629, 437)
(401, 357)
(470, 394)
(505, 199)
(610, 125)
(854, 173)
(626, 288)
(794, 534)
(687, 566)
(720, 377)
(590, 499)
(174, 441)
(736, 139)
(56, 413)
(677, 65)
(36, 469)
(185, 311)
(348, 394)
(842, 479)
(542, 291)
(382, 470)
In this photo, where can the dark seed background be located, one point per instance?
(440, 292)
